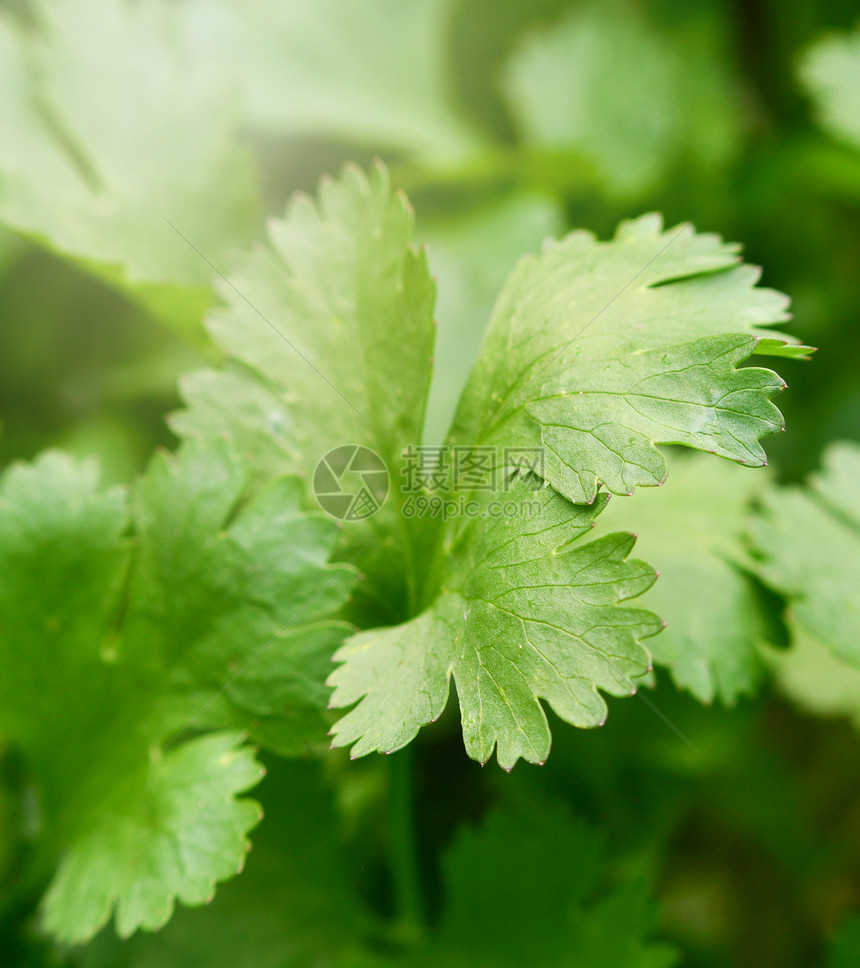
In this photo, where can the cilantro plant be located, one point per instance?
(199, 595)
(206, 658)
(515, 610)
(140, 812)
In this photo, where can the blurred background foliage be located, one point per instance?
(142, 143)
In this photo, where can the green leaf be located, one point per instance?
(814, 678)
(125, 648)
(599, 351)
(523, 614)
(807, 543)
(830, 71)
(334, 317)
(373, 73)
(217, 601)
(523, 893)
(470, 254)
(631, 100)
(715, 619)
(168, 832)
(295, 877)
(538, 889)
(10, 249)
(99, 102)
(329, 333)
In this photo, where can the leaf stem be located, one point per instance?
(409, 906)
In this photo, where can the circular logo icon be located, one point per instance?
(351, 483)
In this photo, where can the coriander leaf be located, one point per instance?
(524, 893)
(111, 128)
(329, 330)
(295, 877)
(334, 316)
(715, 619)
(373, 73)
(538, 887)
(122, 633)
(524, 613)
(575, 87)
(328, 337)
(807, 546)
(470, 254)
(830, 70)
(218, 601)
(811, 676)
(168, 831)
(599, 351)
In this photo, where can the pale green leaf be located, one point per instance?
(807, 545)
(329, 333)
(693, 528)
(599, 351)
(814, 678)
(604, 84)
(830, 70)
(295, 877)
(110, 129)
(334, 317)
(470, 254)
(374, 72)
(523, 614)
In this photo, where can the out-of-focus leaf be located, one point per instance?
(692, 529)
(844, 950)
(632, 101)
(373, 72)
(523, 893)
(807, 543)
(816, 679)
(470, 254)
(112, 132)
(167, 831)
(111, 654)
(294, 901)
(830, 71)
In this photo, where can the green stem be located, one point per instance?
(403, 857)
